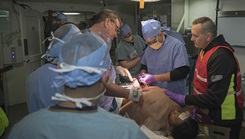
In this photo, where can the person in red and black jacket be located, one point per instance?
(217, 78)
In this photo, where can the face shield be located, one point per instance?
(57, 40)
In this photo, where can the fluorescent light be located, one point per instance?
(147, 0)
(71, 13)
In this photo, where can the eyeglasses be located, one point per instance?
(152, 42)
(116, 27)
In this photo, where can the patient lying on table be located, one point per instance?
(158, 112)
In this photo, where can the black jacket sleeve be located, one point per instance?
(179, 73)
(143, 67)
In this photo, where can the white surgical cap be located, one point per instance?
(83, 60)
(150, 28)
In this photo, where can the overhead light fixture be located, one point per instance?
(71, 13)
(147, 0)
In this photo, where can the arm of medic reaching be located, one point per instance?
(129, 64)
(178, 98)
(114, 90)
(174, 75)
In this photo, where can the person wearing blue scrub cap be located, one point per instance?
(170, 32)
(165, 62)
(39, 82)
(129, 51)
(61, 18)
(85, 64)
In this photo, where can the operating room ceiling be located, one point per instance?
(109, 2)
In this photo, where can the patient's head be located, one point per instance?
(183, 127)
(187, 130)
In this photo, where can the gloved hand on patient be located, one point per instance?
(146, 78)
(199, 116)
(179, 98)
(135, 94)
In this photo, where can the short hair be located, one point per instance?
(106, 13)
(187, 130)
(207, 25)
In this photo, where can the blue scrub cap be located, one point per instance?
(150, 28)
(61, 16)
(58, 39)
(83, 60)
(125, 29)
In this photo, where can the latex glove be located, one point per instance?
(199, 116)
(122, 71)
(179, 98)
(146, 78)
(135, 94)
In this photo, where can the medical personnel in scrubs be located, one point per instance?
(84, 71)
(165, 61)
(39, 83)
(130, 50)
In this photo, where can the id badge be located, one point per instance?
(133, 55)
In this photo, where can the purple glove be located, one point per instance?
(146, 78)
(179, 98)
(197, 115)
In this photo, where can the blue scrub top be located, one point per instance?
(39, 88)
(75, 125)
(170, 56)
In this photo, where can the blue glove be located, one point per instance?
(197, 115)
(146, 78)
(179, 98)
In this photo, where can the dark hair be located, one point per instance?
(187, 130)
(106, 13)
(207, 25)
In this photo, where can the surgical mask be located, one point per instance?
(129, 39)
(78, 101)
(156, 45)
